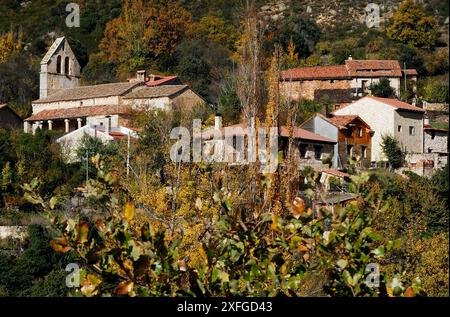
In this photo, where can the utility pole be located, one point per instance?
(87, 166)
(406, 88)
(128, 155)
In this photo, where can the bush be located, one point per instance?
(435, 90)
(392, 150)
(382, 89)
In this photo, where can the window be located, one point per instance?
(364, 151)
(364, 85)
(58, 64)
(350, 150)
(412, 131)
(360, 132)
(349, 132)
(67, 65)
(317, 152)
(399, 128)
(303, 149)
(433, 135)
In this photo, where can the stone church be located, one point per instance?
(64, 105)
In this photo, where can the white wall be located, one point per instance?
(378, 116)
(152, 103)
(104, 101)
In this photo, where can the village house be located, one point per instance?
(352, 135)
(9, 119)
(435, 140)
(66, 106)
(389, 117)
(342, 83)
(310, 149)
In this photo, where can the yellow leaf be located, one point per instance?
(298, 207)
(129, 211)
(81, 232)
(203, 255)
(274, 225)
(302, 248)
(60, 245)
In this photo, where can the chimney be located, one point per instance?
(151, 78)
(426, 121)
(350, 58)
(140, 75)
(218, 122)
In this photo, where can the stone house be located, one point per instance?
(435, 142)
(353, 137)
(9, 119)
(65, 106)
(389, 117)
(310, 149)
(342, 83)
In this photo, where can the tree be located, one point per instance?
(435, 90)
(228, 103)
(412, 26)
(391, 148)
(219, 31)
(382, 88)
(9, 43)
(144, 32)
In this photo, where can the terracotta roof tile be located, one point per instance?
(87, 92)
(342, 121)
(79, 112)
(397, 104)
(351, 68)
(155, 92)
(373, 68)
(336, 172)
(410, 72)
(297, 133)
(316, 72)
(161, 81)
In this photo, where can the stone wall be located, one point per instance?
(435, 141)
(424, 164)
(297, 90)
(435, 106)
(411, 143)
(13, 232)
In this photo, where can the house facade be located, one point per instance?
(389, 117)
(342, 83)
(66, 106)
(9, 119)
(353, 138)
(309, 149)
(434, 140)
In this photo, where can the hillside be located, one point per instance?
(324, 32)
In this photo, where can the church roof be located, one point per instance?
(156, 92)
(79, 112)
(52, 50)
(88, 92)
